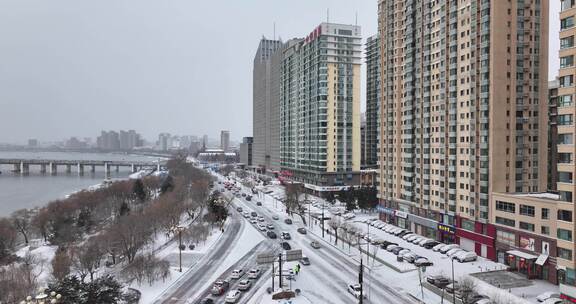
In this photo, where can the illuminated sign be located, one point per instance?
(446, 228)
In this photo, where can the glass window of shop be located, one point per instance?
(467, 225)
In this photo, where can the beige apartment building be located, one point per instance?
(463, 113)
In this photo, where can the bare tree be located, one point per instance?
(8, 236)
(61, 264)
(131, 233)
(87, 258)
(32, 268)
(293, 203)
(21, 220)
(467, 287)
(335, 223)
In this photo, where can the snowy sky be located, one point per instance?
(73, 68)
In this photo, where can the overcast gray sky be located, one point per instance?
(73, 67)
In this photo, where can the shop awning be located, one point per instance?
(541, 259)
(521, 254)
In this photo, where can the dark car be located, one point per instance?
(302, 230)
(385, 244)
(271, 234)
(239, 209)
(430, 245)
(404, 232)
(438, 281)
(397, 250)
(288, 221)
(248, 197)
(286, 246)
(258, 204)
(206, 301)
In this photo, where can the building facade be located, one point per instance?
(266, 100)
(246, 151)
(372, 102)
(320, 106)
(553, 134)
(225, 140)
(463, 113)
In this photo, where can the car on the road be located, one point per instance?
(220, 287)
(275, 217)
(246, 214)
(302, 230)
(258, 203)
(286, 246)
(244, 285)
(207, 301)
(261, 227)
(239, 209)
(305, 260)
(254, 214)
(244, 194)
(270, 226)
(315, 245)
(254, 273)
(355, 290)
(232, 296)
(237, 273)
(248, 197)
(260, 218)
(288, 221)
(271, 234)
(253, 221)
(285, 235)
(547, 295)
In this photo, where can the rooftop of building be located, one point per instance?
(543, 195)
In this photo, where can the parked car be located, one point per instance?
(288, 221)
(275, 217)
(547, 295)
(397, 250)
(305, 260)
(315, 245)
(417, 239)
(354, 290)
(285, 235)
(425, 241)
(405, 232)
(409, 237)
(270, 226)
(244, 285)
(553, 301)
(438, 246)
(302, 230)
(392, 247)
(431, 245)
(220, 287)
(402, 252)
(422, 262)
(448, 247)
(237, 273)
(271, 234)
(258, 204)
(399, 231)
(410, 257)
(454, 252)
(232, 296)
(254, 273)
(286, 246)
(348, 216)
(438, 280)
(239, 209)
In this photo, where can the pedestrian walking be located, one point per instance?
(298, 267)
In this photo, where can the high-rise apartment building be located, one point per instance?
(372, 102)
(463, 113)
(266, 105)
(225, 140)
(246, 151)
(320, 106)
(553, 134)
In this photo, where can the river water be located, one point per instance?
(36, 189)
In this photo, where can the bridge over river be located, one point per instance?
(22, 166)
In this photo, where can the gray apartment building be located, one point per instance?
(370, 143)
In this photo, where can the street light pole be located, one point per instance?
(180, 247)
(322, 220)
(454, 293)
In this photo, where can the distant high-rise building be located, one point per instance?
(108, 141)
(463, 115)
(266, 104)
(246, 150)
(32, 143)
(164, 141)
(225, 140)
(363, 145)
(370, 147)
(320, 106)
(204, 142)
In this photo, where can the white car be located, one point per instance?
(437, 247)
(466, 257)
(425, 241)
(233, 296)
(270, 226)
(553, 301)
(418, 239)
(354, 289)
(236, 274)
(454, 252)
(244, 285)
(253, 221)
(390, 247)
(409, 237)
(403, 252)
(261, 227)
(254, 273)
(260, 218)
(547, 295)
(448, 248)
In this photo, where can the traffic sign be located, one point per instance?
(293, 255)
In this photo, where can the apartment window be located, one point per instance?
(565, 196)
(506, 237)
(566, 4)
(564, 158)
(567, 22)
(565, 177)
(505, 221)
(564, 253)
(565, 215)
(564, 234)
(565, 100)
(545, 213)
(526, 226)
(566, 81)
(566, 61)
(545, 230)
(527, 210)
(567, 42)
(506, 207)
(565, 139)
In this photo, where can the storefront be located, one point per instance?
(424, 226)
(522, 262)
(447, 233)
(386, 214)
(402, 219)
(477, 237)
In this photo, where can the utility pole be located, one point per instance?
(361, 280)
(180, 247)
(273, 275)
(454, 293)
(280, 269)
(322, 220)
